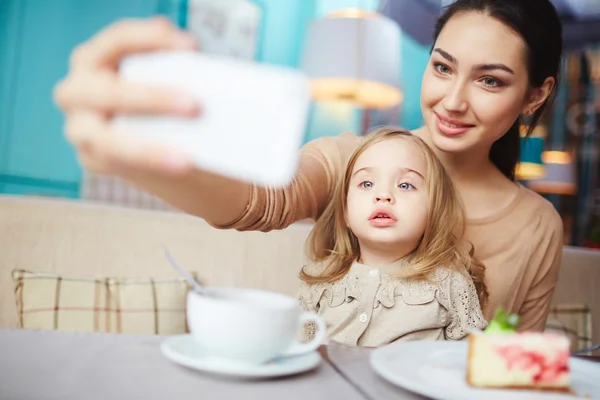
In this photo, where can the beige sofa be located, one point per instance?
(74, 238)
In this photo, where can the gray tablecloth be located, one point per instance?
(354, 364)
(84, 366)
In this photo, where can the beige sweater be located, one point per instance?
(372, 307)
(520, 245)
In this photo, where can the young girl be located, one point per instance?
(388, 262)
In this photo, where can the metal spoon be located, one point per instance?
(587, 350)
(198, 288)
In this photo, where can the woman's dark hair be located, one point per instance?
(537, 22)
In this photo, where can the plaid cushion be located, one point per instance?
(118, 305)
(573, 320)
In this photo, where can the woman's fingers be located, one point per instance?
(132, 156)
(83, 130)
(109, 46)
(102, 150)
(93, 81)
(92, 92)
(103, 92)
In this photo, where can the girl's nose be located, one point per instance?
(384, 197)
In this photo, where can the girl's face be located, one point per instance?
(475, 85)
(387, 201)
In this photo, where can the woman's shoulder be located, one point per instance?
(529, 223)
(536, 206)
(527, 210)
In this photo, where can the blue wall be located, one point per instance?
(414, 60)
(37, 38)
(284, 28)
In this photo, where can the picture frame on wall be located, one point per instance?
(227, 27)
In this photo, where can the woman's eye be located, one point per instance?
(406, 186)
(366, 185)
(491, 82)
(441, 68)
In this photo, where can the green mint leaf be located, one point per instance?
(503, 322)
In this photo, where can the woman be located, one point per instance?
(494, 64)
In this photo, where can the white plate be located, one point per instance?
(182, 350)
(437, 369)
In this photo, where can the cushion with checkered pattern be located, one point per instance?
(108, 304)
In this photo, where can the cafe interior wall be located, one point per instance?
(573, 128)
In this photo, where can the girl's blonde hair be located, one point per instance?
(332, 243)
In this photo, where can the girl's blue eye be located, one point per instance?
(406, 186)
(366, 185)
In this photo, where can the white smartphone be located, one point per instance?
(253, 120)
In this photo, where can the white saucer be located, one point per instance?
(182, 350)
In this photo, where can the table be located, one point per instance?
(353, 363)
(75, 365)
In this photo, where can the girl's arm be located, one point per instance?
(464, 309)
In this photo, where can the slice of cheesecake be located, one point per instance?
(502, 358)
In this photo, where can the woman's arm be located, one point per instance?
(92, 92)
(547, 258)
(217, 199)
(231, 204)
(321, 163)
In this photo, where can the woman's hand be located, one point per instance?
(92, 92)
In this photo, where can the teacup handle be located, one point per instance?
(297, 347)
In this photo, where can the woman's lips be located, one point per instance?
(451, 127)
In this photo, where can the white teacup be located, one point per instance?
(250, 326)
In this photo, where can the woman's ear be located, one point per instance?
(538, 96)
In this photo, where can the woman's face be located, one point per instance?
(475, 84)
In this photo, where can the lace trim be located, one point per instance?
(349, 288)
(465, 311)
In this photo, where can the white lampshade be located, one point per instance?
(354, 56)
